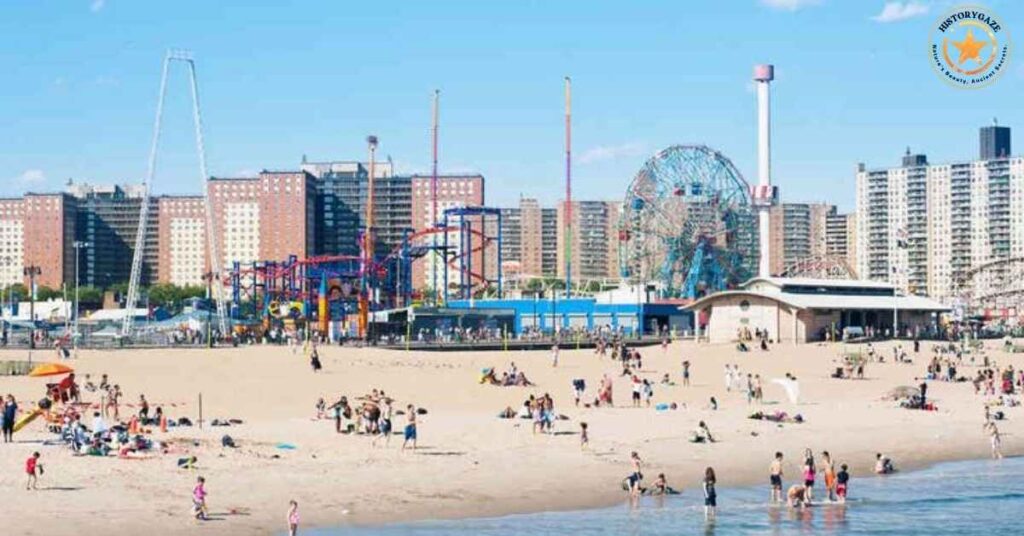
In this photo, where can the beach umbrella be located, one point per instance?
(50, 369)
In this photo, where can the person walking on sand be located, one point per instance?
(314, 361)
(293, 518)
(199, 500)
(584, 436)
(10, 413)
(710, 497)
(410, 427)
(33, 469)
(554, 355)
(775, 477)
(686, 373)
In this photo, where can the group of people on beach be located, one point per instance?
(372, 417)
(801, 494)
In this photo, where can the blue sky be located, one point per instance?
(314, 78)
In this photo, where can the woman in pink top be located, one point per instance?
(199, 499)
(293, 518)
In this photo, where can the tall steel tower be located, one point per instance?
(212, 250)
(764, 195)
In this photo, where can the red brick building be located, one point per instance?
(452, 191)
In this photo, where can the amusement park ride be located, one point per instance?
(341, 287)
(689, 224)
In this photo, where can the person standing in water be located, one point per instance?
(829, 472)
(710, 497)
(842, 480)
(636, 476)
(996, 440)
(809, 473)
(293, 518)
(775, 477)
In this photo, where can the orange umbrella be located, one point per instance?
(50, 369)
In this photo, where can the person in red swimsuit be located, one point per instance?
(33, 468)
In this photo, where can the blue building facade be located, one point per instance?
(587, 313)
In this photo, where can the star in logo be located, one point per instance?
(969, 48)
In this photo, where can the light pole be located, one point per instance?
(31, 272)
(208, 277)
(79, 245)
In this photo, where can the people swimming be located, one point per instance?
(883, 465)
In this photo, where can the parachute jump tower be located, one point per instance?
(215, 268)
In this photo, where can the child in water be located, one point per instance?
(710, 497)
(293, 518)
(842, 479)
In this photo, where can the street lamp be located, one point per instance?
(79, 245)
(31, 272)
(208, 278)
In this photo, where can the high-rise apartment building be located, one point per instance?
(841, 238)
(993, 142)
(549, 231)
(108, 222)
(453, 191)
(797, 231)
(595, 240)
(181, 239)
(923, 226)
(38, 230)
(511, 242)
(342, 189)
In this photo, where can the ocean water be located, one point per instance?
(952, 498)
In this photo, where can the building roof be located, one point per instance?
(811, 282)
(831, 301)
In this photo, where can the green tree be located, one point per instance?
(164, 294)
(44, 293)
(90, 296)
(19, 290)
(120, 289)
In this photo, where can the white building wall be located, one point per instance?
(241, 232)
(187, 251)
(12, 251)
(939, 272)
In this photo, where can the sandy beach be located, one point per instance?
(470, 463)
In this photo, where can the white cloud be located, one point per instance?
(97, 5)
(247, 173)
(900, 11)
(789, 5)
(603, 153)
(30, 177)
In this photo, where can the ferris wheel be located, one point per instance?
(687, 224)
